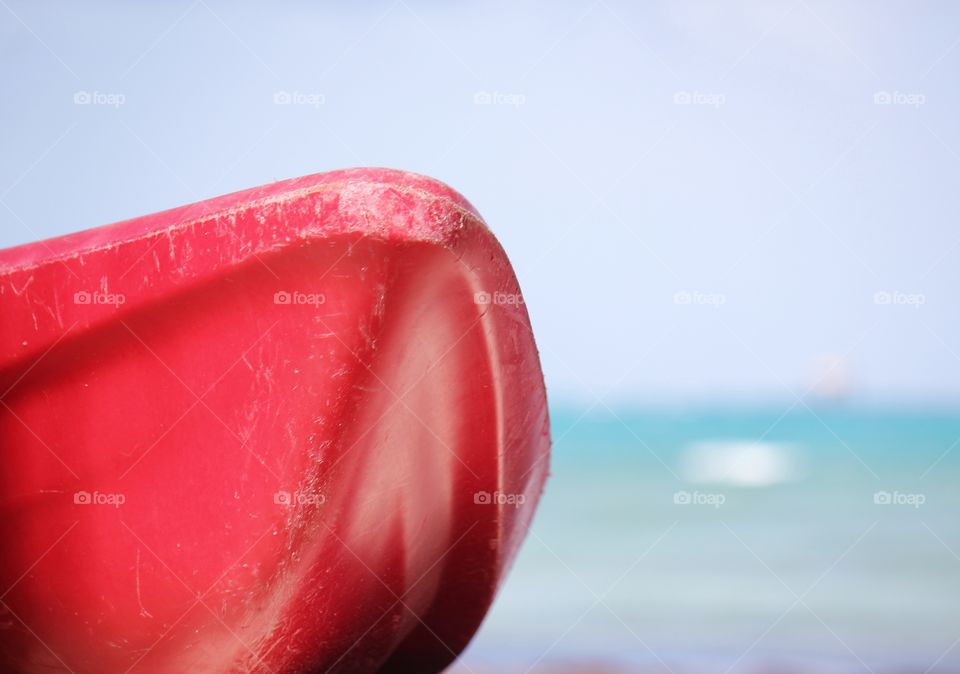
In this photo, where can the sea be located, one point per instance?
(738, 539)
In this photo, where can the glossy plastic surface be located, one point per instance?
(298, 428)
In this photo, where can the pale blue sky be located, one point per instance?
(632, 151)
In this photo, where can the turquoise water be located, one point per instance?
(735, 540)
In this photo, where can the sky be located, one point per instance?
(702, 201)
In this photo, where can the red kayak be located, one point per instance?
(299, 428)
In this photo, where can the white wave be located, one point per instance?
(740, 462)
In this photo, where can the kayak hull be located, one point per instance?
(298, 428)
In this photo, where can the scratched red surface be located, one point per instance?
(297, 428)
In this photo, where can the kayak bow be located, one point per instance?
(297, 428)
